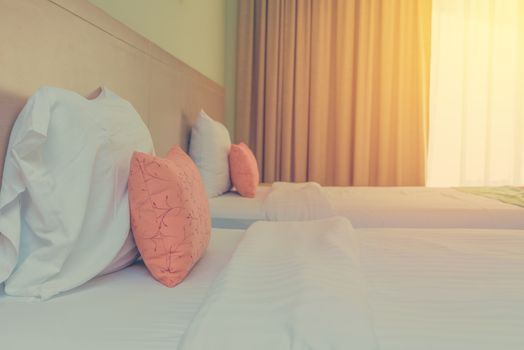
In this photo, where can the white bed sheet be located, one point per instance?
(125, 310)
(431, 289)
(445, 289)
(231, 210)
(385, 207)
(424, 289)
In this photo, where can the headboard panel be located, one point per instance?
(74, 45)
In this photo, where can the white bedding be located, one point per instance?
(64, 208)
(445, 289)
(125, 310)
(431, 289)
(230, 210)
(384, 207)
(324, 285)
(289, 285)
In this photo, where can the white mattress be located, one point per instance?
(124, 310)
(385, 207)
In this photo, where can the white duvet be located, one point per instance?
(313, 285)
(288, 286)
(323, 285)
(64, 212)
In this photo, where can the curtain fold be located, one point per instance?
(335, 91)
(477, 93)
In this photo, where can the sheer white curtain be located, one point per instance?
(476, 133)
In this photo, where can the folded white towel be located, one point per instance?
(297, 202)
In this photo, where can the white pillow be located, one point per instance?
(209, 149)
(64, 211)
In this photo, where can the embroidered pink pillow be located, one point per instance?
(244, 170)
(170, 215)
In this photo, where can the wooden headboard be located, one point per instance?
(74, 45)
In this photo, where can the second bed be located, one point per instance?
(416, 207)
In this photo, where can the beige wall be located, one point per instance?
(230, 64)
(192, 30)
(166, 92)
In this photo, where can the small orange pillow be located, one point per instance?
(244, 170)
(170, 215)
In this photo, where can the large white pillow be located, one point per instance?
(209, 149)
(64, 211)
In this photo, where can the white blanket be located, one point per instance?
(297, 202)
(288, 286)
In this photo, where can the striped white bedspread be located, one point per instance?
(288, 286)
(323, 285)
(445, 289)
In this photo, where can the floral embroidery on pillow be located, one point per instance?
(169, 214)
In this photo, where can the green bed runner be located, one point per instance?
(506, 194)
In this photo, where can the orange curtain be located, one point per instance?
(335, 91)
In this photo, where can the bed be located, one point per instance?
(123, 310)
(422, 289)
(374, 288)
(383, 207)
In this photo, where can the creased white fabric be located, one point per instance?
(64, 211)
(289, 285)
(297, 201)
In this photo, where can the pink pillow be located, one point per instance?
(170, 215)
(244, 170)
